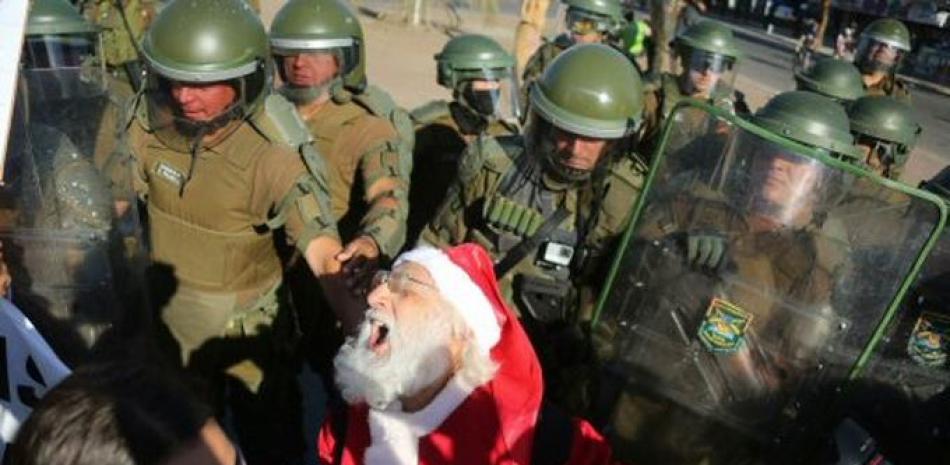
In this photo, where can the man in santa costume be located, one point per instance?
(442, 372)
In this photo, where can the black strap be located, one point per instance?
(520, 251)
(553, 437)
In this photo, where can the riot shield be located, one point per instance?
(74, 101)
(913, 357)
(75, 273)
(753, 281)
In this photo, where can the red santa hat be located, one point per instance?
(462, 280)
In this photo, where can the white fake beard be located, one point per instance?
(416, 359)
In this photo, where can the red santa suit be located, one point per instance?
(494, 423)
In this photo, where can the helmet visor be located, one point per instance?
(318, 65)
(58, 51)
(708, 74)
(184, 114)
(781, 187)
(873, 55)
(491, 92)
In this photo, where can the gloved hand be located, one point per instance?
(705, 249)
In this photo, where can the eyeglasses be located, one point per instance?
(398, 281)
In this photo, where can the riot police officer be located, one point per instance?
(550, 205)
(882, 46)
(319, 49)
(223, 165)
(833, 78)
(725, 300)
(886, 130)
(480, 75)
(709, 56)
(64, 101)
(587, 21)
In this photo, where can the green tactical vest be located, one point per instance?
(520, 204)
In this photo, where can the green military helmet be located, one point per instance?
(56, 17)
(590, 90)
(711, 37)
(707, 49)
(303, 26)
(57, 37)
(472, 56)
(586, 16)
(810, 119)
(197, 42)
(886, 125)
(833, 78)
(206, 41)
(887, 32)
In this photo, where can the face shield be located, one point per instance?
(779, 186)
(587, 27)
(58, 51)
(183, 113)
(308, 68)
(490, 92)
(707, 74)
(873, 55)
(62, 67)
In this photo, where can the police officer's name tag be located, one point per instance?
(170, 174)
(929, 342)
(724, 326)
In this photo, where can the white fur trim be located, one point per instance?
(458, 287)
(394, 434)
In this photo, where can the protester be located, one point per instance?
(470, 391)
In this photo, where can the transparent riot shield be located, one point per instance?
(75, 101)
(751, 284)
(913, 357)
(75, 272)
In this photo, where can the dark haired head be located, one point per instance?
(110, 414)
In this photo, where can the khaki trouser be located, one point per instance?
(204, 324)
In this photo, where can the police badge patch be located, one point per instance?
(166, 172)
(929, 342)
(724, 326)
